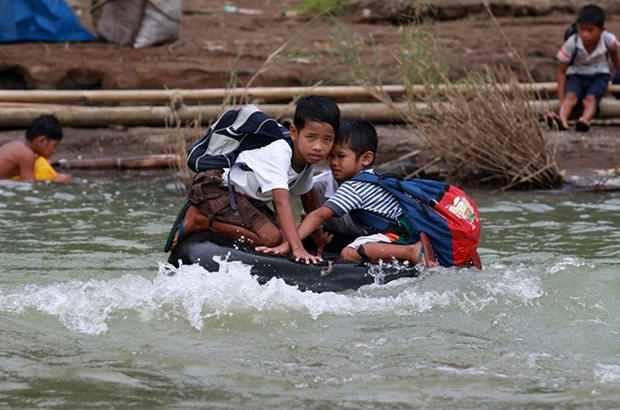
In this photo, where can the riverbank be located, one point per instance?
(587, 159)
(213, 43)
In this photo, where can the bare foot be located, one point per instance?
(194, 220)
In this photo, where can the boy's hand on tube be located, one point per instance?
(302, 255)
(322, 239)
(282, 249)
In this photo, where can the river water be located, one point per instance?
(89, 319)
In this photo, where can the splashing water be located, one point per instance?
(87, 305)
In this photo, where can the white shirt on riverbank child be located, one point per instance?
(588, 63)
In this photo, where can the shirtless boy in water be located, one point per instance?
(26, 160)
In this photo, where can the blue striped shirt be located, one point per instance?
(353, 195)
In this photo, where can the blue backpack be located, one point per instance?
(235, 131)
(443, 212)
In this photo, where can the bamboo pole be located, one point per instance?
(139, 161)
(79, 116)
(219, 94)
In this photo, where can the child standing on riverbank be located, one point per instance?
(27, 160)
(583, 74)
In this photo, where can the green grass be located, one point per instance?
(321, 6)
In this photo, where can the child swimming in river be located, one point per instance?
(26, 160)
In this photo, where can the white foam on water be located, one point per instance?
(514, 282)
(567, 263)
(195, 295)
(607, 373)
(192, 294)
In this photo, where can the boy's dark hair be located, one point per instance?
(359, 135)
(591, 14)
(46, 125)
(317, 108)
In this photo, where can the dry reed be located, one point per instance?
(485, 133)
(184, 136)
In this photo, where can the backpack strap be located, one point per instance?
(377, 223)
(231, 190)
(574, 55)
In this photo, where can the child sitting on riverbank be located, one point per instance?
(27, 160)
(353, 153)
(583, 74)
(270, 173)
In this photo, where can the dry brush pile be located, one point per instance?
(484, 127)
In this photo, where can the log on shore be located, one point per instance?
(208, 94)
(77, 116)
(138, 161)
(219, 94)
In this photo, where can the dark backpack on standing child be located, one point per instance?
(572, 29)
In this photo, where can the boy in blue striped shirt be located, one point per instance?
(354, 152)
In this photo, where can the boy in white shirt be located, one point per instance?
(276, 171)
(583, 75)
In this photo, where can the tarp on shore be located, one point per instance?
(140, 23)
(40, 20)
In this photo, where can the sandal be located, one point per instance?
(553, 122)
(582, 126)
(177, 226)
(475, 260)
(427, 254)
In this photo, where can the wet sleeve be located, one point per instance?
(305, 183)
(565, 54)
(345, 199)
(319, 187)
(611, 42)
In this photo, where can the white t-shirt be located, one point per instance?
(326, 186)
(588, 63)
(272, 168)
